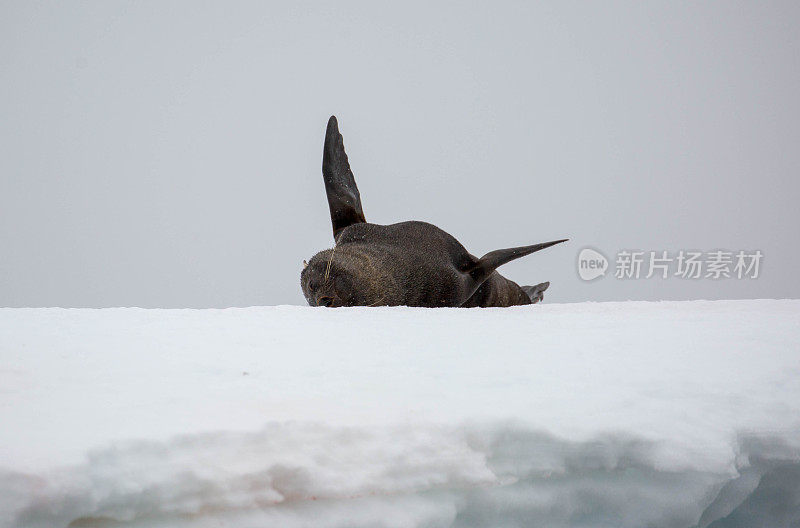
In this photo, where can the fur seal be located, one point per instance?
(408, 263)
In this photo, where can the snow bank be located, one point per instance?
(613, 414)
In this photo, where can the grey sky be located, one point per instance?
(167, 154)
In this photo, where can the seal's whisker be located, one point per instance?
(330, 260)
(377, 302)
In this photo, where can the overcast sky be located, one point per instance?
(167, 154)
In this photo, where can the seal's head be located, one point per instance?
(334, 278)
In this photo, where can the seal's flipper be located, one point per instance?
(344, 200)
(494, 259)
(536, 293)
(481, 269)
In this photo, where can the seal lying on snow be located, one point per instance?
(410, 263)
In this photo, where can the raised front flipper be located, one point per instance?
(344, 200)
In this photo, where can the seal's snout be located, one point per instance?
(325, 300)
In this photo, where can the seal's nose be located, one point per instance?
(324, 300)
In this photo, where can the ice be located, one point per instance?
(595, 414)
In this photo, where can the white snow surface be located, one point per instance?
(670, 414)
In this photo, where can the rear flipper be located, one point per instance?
(536, 293)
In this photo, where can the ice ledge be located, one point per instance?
(592, 414)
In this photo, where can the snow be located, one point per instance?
(594, 414)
